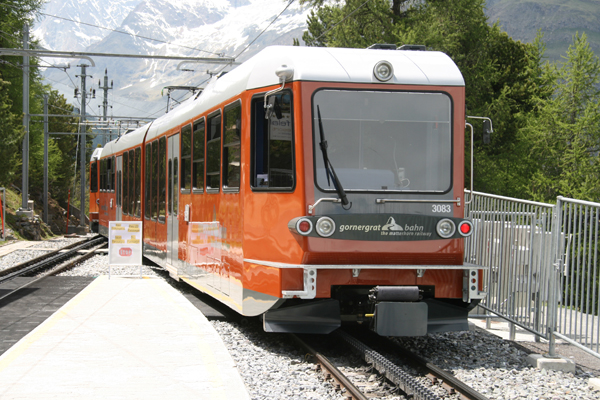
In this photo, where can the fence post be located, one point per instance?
(555, 262)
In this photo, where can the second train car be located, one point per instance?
(312, 187)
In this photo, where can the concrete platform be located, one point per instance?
(123, 338)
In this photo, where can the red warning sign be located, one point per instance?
(125, 252)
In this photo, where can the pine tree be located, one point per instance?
(563, 132)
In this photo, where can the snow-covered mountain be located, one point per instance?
(192, 28)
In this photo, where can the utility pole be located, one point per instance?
(45, 196)
(25, 170)
(105, 101)
(82, 138)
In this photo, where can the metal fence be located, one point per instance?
(543, 272)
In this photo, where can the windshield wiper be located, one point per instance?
(329, 171)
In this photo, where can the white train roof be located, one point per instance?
(319, 64)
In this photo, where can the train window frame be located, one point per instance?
(200, 158)
(138, 182)
(186, 159)
(102, 174)
(208, 160)
(111, 173)
(316, 141)
(162, 180)
(147, 180)
(154, 189)
(258, 114)
(225, 165)
(94, 177)
(125, 183)
(131, 189)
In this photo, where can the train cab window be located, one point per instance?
(138, 181)
(272, 165)
(148, 182)
(198, 153)
(213, 154)
(125, 184)
(94, 177)
(162, 182)
(186, 158)
(154, 191)
(384, 141)
(232, 134)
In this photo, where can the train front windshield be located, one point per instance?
(384, 141)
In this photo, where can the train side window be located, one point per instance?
(131, 171)
(148, 182)
(272, 152)
(154, 193)
(119, 190)
(102, 173)
(94, 177)
(198, 153)
(111, 173)
(162, 183)
(232, 135)
(125, 184)
(213, 154)
(138, 181)
(186, 159)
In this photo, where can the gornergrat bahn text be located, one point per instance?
(311, 186)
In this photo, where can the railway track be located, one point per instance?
(53, 262)
(396, 373)
(381, 361)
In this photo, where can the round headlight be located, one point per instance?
(304, 226)
(446, 228)
(383, 71)
(325, 226)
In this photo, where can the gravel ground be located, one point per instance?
(21, 255)
(274, 370)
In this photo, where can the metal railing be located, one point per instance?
(577, 275)
(543, 266)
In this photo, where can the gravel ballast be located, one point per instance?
(273, 370)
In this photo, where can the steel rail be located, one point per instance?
(408, 384)
(450, 382)
(61, 268)
(49, 259)
(336, 374)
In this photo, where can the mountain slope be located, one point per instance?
(558, 20)
(193, 28)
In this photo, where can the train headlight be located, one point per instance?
(446, 228)
(302, 226)
(325, 226)
(383, 71)
(465, 228)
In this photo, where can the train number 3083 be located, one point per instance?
(441, 208)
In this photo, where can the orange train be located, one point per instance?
(310, 186)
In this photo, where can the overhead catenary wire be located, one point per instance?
(120, 31)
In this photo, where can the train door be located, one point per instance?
(119, 191)
(173, 201)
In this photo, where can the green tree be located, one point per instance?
(563, 131)
(501, 75)
(11, 135)
(14, 14)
